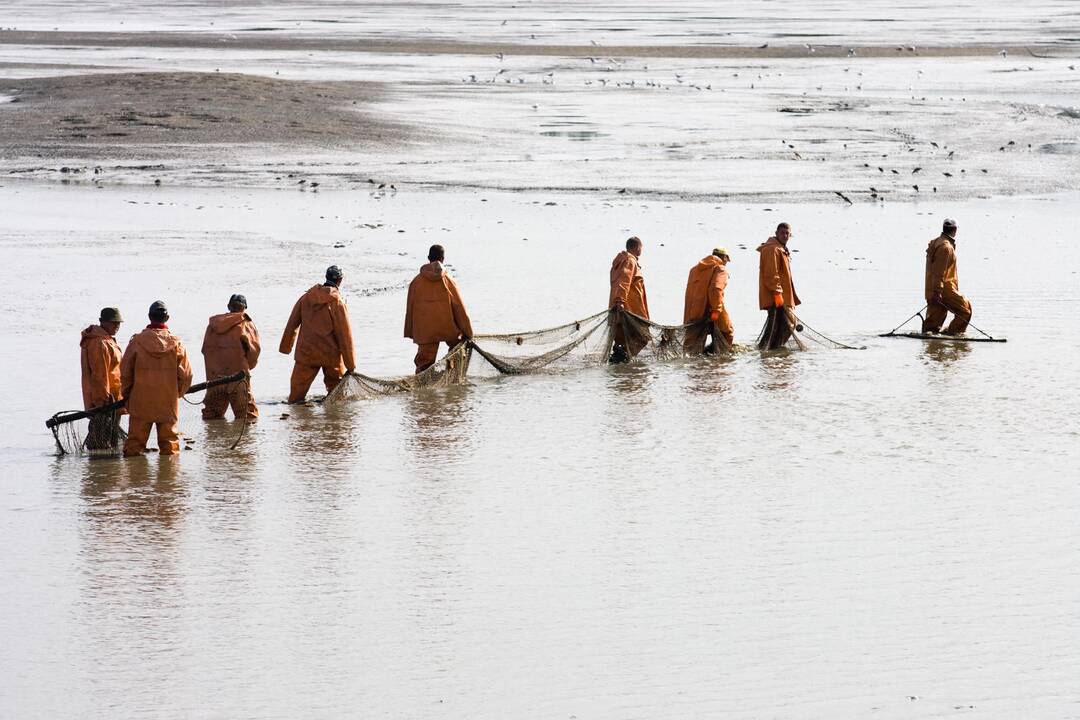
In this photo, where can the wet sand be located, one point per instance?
(149, 116)
(325, 43)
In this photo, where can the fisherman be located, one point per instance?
(942, 287)
(100, 360)
(325, 340)
(776, 292)
(704, 308)
(434, 311)
(231, 345)
(628, 293)
(154, 374)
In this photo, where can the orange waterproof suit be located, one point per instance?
(941, 280)
(434, 313)
(628, 284)
(774, 275)
(154, 373)
(774, 278)
(231, 345)
(325, 341)
(100, 367)
(704, 298)
(628, 289)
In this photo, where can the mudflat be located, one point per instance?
(150, 115)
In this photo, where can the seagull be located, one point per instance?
(850, 53)
(1004, 53)
(762, 47)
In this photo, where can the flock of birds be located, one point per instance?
(937, 152)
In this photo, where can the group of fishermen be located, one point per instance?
(154, 371)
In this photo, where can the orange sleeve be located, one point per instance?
(205, 340)
(939, 263)
(97, 357)
(183, 369)
(291, 328)
(127, 370)
(343, 334)
(254, 347)
(409, 312)
(771, 270)
(621, 279)
(716, 289)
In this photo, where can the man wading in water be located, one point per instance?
(434, 311)
(628, 293)
(942, 286)
(776, 291)
(325, 337)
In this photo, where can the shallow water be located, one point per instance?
(566, 21)
(885, 532)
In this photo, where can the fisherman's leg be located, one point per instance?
(138, 434)
(694, 341)
(300, 383)
(935, 316)
(332, 375)
(723, 327)
(426, 353)
(215, 403)
(961, 310)
(168, 440)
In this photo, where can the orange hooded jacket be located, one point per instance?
(705, 289)
(231, 345)
(941, 266)
(100, 367)
(434, 311)
(325, 333)
(154, 373)
(774, 275)
(628, 284)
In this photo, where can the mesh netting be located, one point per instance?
(609, 336)
(99, 435)
(99, 432)
(784, 329)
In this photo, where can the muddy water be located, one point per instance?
(885, 532)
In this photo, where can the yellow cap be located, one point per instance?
(720, 252)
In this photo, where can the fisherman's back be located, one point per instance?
(155, 372)
(100, 357)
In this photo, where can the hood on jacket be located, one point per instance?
(94, 331)
(711, 261)
(155, 341)
(321, 295)
(432, 271)
(225, 322)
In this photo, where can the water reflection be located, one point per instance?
(944, 352)
(439, 422)
(710, 374)
(778, 369)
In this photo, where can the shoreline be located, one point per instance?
(285, 42)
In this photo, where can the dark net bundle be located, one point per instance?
(608, 336)
(100, 435)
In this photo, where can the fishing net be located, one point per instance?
(609, 336)
(99, 435)
(99, 432)
(784, 329)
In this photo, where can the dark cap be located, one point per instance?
(949, 223)
(334, 274)
(158, 308)
(239, 300)
(110, 314)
